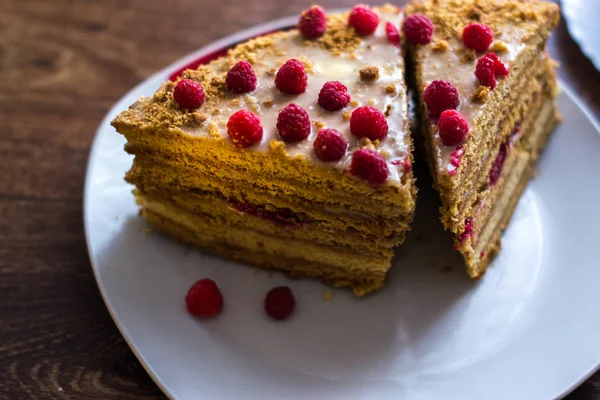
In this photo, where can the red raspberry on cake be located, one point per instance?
(333, 96)
(204, 299)
(487, 68)
(330, 145)
(241, 78)
(291, 77)
(418, 29)
(369, 165)
(280, 303)
(293, 123)
(312, 22)
(453, 127)
(477, 37)
(392, 33)
(189, 94)
(363, 20)
(369, 122)
(440, 96)
(244, 129)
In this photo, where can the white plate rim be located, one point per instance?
(161, 76)
(570, 12)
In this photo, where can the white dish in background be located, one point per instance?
(529, 329)
(582, 17)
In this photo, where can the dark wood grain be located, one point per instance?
(63, 63)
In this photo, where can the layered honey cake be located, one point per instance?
(292, 152)
(487, 92)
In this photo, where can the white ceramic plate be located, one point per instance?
(529, 329)
(582, 18)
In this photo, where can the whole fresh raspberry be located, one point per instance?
(241, 78)
(244, 129)
(312, 22)
(392, 33)
(369, 122)
(279, 302)
(291, 77)
(293, 123)
(363, 20)
(439, 96)
(477, 37)
(487, 68)
(189, 94)
(204, 299)
(418, 29)
(370, 166)
(330, 145)
(333, 96)
(453, 127)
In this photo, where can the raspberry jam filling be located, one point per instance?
(468, 230)
(282, 217)
(498, 164)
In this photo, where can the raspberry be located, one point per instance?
(291, 77)
(312, 22)
(244, 129)
(363, 20)
(241, 78)
(369, 165)
(392, 33)
(440, 96)
(293, 123)
(368, 122)
(453, 127)
(333, 96)
(204, 299)
(498, 164)
(477, 37)
(418, 29)
(330, 145)
(487, 68)
(189, 94)
(279, 302)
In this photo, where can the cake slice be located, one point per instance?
(293, 152)
(486, 91)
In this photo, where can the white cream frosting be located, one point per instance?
(374, 50)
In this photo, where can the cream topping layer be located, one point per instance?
(323, 65)
(447, 65)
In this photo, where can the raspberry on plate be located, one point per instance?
(369, 122)
(477, 37)
(189, 94)
(418, 29)
(333, 96)
(440, 96)
(330, 145)
(312, 22)
(204, 299)
(244, 128)
(291, 77)
(453, 127)
(293, 123)
(363, 20)
(369, 165)
(279, 303)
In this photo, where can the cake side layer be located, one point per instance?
(489, 241)
(362, 283)
(283, 224)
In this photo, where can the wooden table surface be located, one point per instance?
(63, 63)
